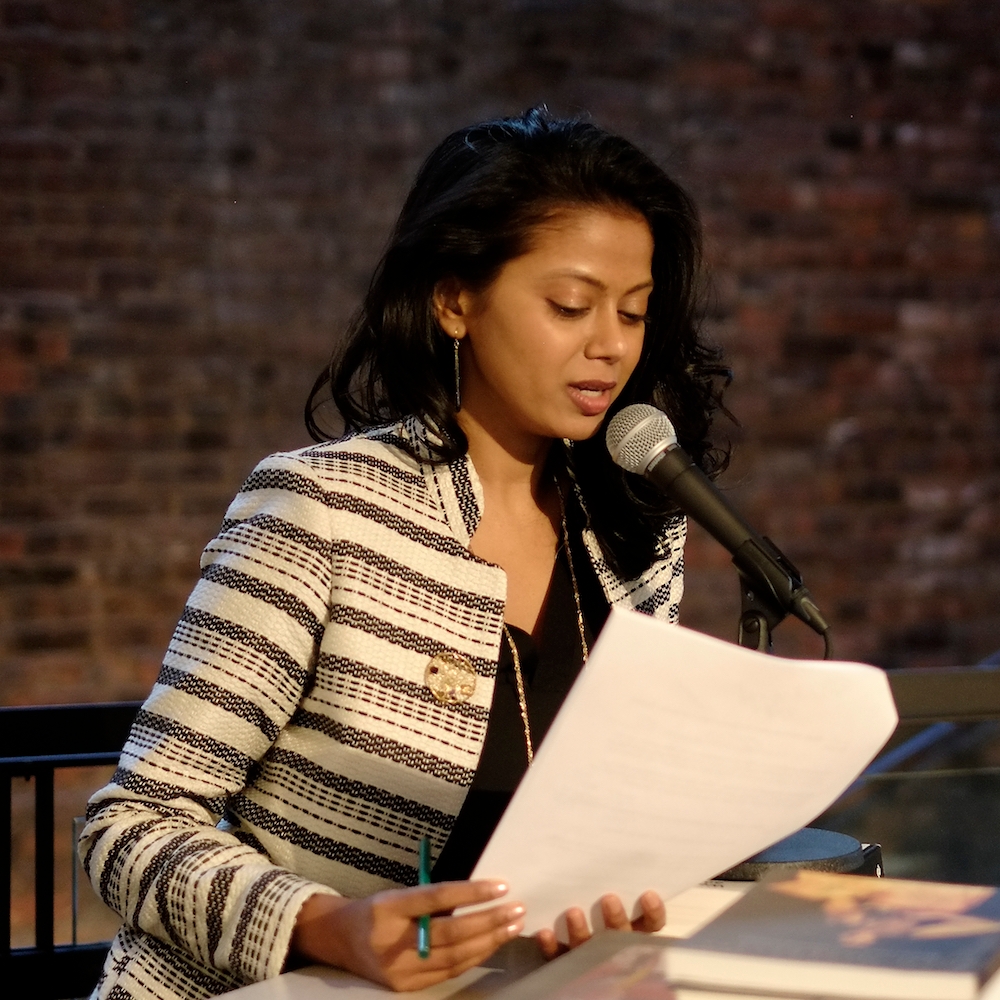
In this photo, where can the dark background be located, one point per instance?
(193, 195)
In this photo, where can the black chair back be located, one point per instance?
(34, 741)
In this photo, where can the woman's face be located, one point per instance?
(549, 345)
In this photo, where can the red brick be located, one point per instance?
(25, 13)
(16, 376)
(860, 197)
(858, 319)
(716, 74)
(798, 15)
(94, 15)
(14, 150)
(12, 544)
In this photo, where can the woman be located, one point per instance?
(387, 623)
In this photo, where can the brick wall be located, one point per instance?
(192, 197)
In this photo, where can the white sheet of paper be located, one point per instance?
(674, 757)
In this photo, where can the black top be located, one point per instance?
(548, 669)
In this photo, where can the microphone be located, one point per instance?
(642, 440)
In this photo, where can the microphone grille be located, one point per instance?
(637, 434)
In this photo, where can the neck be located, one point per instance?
(507, 464)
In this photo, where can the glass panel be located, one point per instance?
(78, 913)
(937, 812)
(22, 862)
(80, 916)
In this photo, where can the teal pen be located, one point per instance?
(424, 922)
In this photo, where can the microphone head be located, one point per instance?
(638, 434)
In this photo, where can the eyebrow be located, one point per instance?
(596, 282)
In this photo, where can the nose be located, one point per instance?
(608, 338)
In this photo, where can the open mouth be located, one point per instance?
(591, 397)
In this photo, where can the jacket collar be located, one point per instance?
(460, 494)
(455, 484)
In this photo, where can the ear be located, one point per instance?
(451, 307)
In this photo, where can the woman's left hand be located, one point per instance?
(652, 918)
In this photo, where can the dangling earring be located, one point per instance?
(458, 378)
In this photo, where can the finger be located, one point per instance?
(421, 980)
(471, 951)
(549, 944)
(410, 972)
(454, 930)
(613, 913)
(576, 925)
(421, 899)
(403, 981)
(654, 913)
(470, 963)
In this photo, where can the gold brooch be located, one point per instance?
(451, 678)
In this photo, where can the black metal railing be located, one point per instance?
(34, 742)
(952, 694)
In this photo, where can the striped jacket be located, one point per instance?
(290, 745)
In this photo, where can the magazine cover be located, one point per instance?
(886, 922)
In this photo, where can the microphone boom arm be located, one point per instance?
(770, 585)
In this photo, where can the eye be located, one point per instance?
(569, 312)
(633, 319)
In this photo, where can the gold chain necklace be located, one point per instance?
(522, 701)
(572, 575)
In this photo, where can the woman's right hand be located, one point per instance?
(376, 937)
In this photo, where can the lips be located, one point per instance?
(592, 396)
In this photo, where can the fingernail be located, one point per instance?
(515, 928)
(500, 888)
(516, 911)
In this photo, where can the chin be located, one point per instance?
(583, 429)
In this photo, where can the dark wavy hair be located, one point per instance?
(472, 209)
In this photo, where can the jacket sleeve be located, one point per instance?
(234, 672)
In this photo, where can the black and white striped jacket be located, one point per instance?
(290, 745)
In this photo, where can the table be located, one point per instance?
(686, 913)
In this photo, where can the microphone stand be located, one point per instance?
(769, 584)
(758, 617)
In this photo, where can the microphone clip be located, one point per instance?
(770, 588)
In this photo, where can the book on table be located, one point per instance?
(613, 965)
(815, 933)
